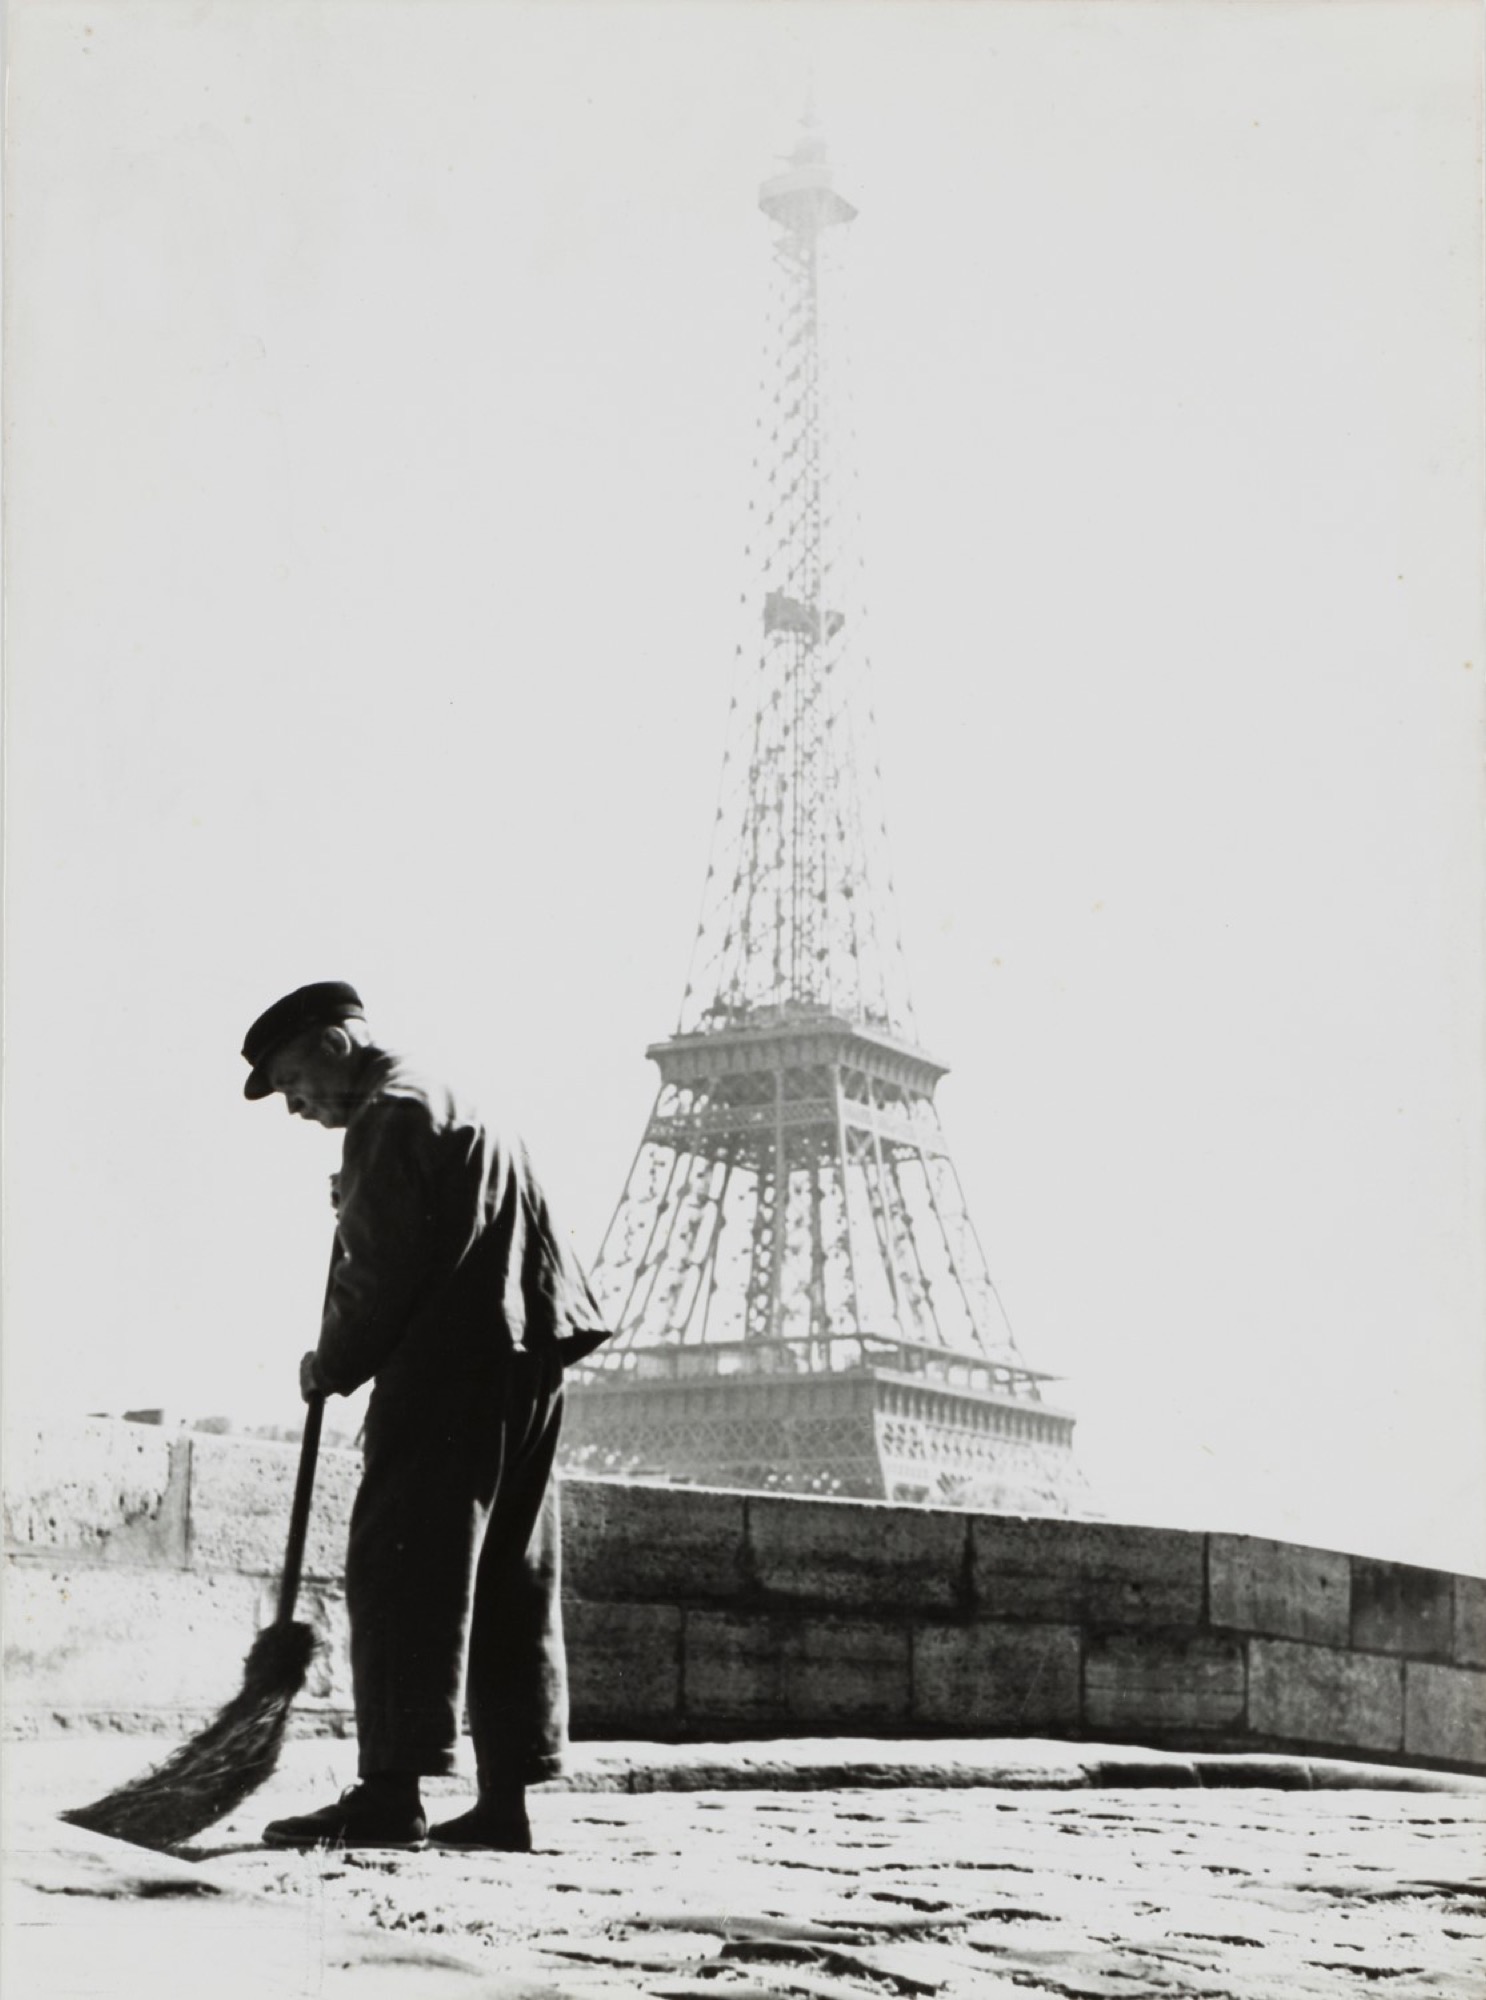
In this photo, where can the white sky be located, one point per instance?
(380, 383)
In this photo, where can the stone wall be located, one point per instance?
(140, 1562)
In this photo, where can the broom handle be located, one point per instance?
(309, 1451)
(299, 1517)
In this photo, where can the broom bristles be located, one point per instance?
(203, 1780)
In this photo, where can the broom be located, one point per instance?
(203, 1780)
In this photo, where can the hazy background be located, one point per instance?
(380, 391)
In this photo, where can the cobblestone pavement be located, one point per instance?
(832, 1895)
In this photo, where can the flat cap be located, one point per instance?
(317, 1006)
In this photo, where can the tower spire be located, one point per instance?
(797, 910)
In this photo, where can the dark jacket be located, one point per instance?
(444, 1245)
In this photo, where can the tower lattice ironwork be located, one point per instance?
(801, 1299)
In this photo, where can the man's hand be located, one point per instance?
(310, 1383)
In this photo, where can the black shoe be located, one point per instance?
(361, 1817)
(477, 1831)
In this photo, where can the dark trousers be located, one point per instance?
(453, 1574)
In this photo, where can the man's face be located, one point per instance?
(313, 1077)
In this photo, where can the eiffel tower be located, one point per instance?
(801, 1301)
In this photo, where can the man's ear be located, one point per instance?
(335, 1043)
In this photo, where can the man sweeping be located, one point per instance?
(449, 1290)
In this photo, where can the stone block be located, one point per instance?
(1444, 1714)
(1470, 1621)
(1278, 1589)
(650, 1544)
(95, 1487)
(1018, 1678)
(1162, 1684)
(1304, 1697)
(102, 1641)
(1086, 1572)
(1397, 1608)
(795, 1673)
(624, 1667)
(241, 1493)
(858, 1555)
